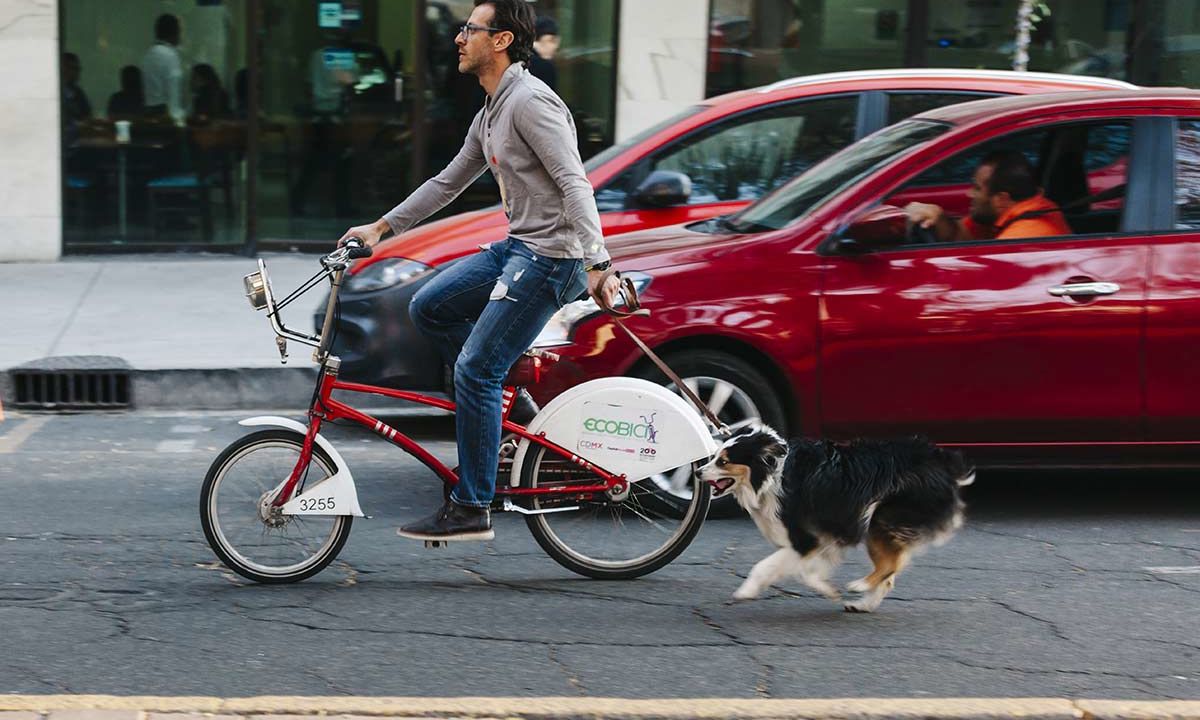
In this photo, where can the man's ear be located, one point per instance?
(502, 40)
(1002, 199)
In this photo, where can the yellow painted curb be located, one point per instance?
(568, 707)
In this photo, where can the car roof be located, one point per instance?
(973, 111)
(939, 77)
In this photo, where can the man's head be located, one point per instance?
(498, 33)
(166, 29)
(1003, 179)
(546, 41)
(71, 69)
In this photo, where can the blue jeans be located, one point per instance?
(483, 312)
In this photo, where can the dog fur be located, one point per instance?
(814, 499)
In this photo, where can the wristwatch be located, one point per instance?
(599, 266)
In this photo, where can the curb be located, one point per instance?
(230, 389)
(110, 707)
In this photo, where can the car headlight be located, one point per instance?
(562, 324)
(386, 273)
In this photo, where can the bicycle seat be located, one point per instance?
(528, 368)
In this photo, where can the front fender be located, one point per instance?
(339, 487)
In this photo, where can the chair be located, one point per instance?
(182, 195)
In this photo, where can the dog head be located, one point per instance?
(746, 461)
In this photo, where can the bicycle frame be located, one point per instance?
(326, 408)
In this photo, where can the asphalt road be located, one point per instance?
(1076, 585)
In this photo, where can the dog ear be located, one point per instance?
(774, 454)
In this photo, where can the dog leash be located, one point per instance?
(633, 305)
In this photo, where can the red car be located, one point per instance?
(819, 311)
(712, 159)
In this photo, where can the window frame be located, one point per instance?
(1142, 210)
(640, 168)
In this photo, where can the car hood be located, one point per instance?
(672, 245)
(439, 242)
(443, 240)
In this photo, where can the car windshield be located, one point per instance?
(822, 182)
(611, 152)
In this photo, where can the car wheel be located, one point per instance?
(735, 391)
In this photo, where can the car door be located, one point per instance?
(733, 161)
(1173, 301)
(989, 341)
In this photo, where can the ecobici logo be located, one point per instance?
(643, 430)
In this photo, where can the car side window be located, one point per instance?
(1187, 176)
(1081, 167)
(747, 156)
(903, 105)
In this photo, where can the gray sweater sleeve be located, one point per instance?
(544, 127)
(437, 192)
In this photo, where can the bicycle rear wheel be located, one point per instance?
(608, 539)
(275, 548)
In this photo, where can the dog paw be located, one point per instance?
(858, 586)
(858, 606)
(746, 592)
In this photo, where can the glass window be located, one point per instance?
(749, 155)
(1187, 176)
(1081, 167)
(755, 42)
(808, 191)
(903, 105)
(153, 131)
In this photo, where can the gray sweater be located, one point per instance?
(525, 135)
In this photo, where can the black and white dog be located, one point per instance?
(815, 499)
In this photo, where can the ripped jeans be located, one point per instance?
(483, 312)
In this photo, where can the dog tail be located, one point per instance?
(967, 479)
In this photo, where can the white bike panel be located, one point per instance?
(339, 486)
(625, 425)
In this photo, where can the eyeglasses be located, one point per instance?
(466, 30)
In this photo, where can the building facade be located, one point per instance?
(237, 125)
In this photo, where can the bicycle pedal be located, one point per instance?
(435, 543)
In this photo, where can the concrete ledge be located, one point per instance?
(108, 707)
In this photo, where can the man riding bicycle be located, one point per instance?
(484, 311)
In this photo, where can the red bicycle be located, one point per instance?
(277, 504)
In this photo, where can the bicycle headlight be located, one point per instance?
(256, 289)
(562, 324)
(386, 273)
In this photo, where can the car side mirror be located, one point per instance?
(663, 188)
(880, 226)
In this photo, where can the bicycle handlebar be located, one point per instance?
(352, 250)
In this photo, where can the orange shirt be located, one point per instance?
(1011, 225)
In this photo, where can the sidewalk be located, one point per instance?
(181, 322)
(107, 707)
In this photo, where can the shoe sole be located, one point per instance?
(461, 537)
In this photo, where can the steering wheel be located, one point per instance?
(914, 234)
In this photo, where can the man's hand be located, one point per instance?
(924, 214)
(369, 234)
(608, 291)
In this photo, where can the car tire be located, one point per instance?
(748, 393)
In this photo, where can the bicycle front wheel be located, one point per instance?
(265, 546)
(608, 539)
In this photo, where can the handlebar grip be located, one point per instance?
(358, 251)
(356, 248)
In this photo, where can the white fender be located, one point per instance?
(625, 425)
(335, 495)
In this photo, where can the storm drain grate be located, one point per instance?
(83, 382)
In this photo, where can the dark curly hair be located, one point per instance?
(515, 16)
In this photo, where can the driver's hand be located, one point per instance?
(369, 234)
(924, 214)
(609, 291)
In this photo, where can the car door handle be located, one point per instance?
(1083, 289)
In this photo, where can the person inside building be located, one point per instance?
(1006, 203)
(129, 102)
(162, 71)
(545, 47)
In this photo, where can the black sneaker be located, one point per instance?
(452, 522)
(524, 408)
